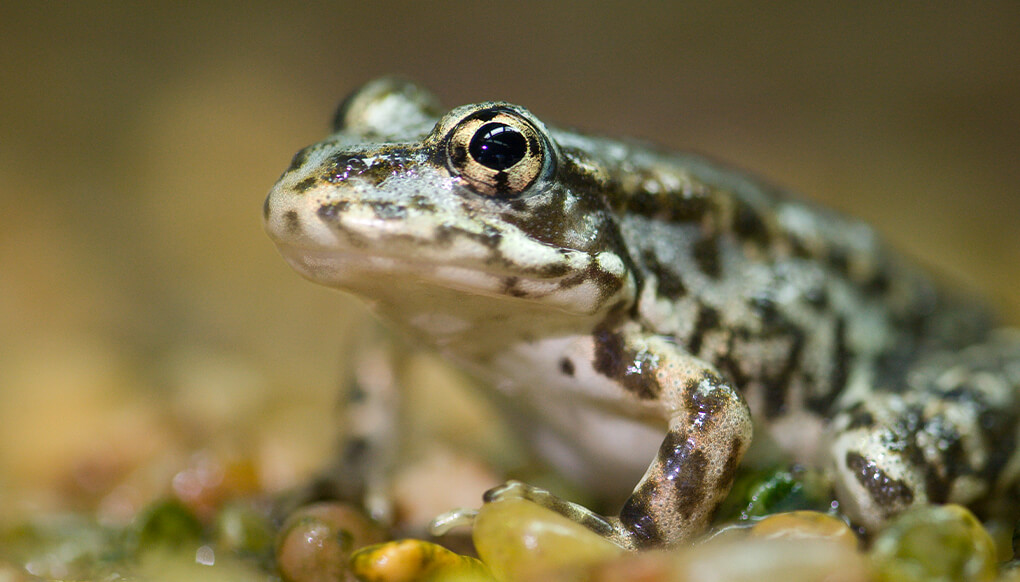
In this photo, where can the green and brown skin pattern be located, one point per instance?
(631, 306)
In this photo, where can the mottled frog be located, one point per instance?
(631, 305)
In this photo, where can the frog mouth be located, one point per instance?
(356, 235)
(465, 274)
(391, 277)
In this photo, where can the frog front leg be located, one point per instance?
(709, 429)
(371, 438)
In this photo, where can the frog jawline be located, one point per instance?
(347, 269)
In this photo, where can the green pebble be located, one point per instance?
(934, 544)
(244, 530)
(167, 525)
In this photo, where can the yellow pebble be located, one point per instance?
(519, 540)
(410, 560)
(796, 525)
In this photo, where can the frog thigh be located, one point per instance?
(948, 436)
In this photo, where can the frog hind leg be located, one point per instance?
(948, 435)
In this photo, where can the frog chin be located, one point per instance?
(387, 278)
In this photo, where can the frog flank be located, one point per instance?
(636, 309)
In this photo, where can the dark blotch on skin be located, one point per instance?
(954, 461)
(777, 388)
(732, 462)
(1000, 428)
(683, 467)
(841, 357)
(705, 407)
(669, 206)
(748, 225)
(554, 270)
(567, 367)
(419, 202)
(636, 516)
(839, 260)
(669, 284)
(799, 249)
(708, 319)
(706, 254)
(887, 492)
(292, 223)
(356, 394)
(766, 308)
(608, 283)
(633, 370)
(306, 184)
(490, 238)
(511, 289)
(389, 210)
(573, 280)
(517, 205)
(547, 220)
(355, 452)
(727, 364)
(340, 117)
(610, 356)
(329, 212)
(860, 417)
(841, 369)
(879, 284)
(299, 159)
(817, 297)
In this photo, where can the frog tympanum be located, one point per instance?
(630, 305)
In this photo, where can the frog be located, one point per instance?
(640, 313)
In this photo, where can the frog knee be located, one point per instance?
(873, 483)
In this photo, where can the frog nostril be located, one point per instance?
(498, 146)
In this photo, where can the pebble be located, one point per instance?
(316, 542)
(521, 540)
(934, 543)
(411, 560)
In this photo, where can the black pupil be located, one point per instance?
(498, 146)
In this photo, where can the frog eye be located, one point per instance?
(496, 151)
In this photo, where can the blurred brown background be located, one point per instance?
(137, 142)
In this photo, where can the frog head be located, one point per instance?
(404, 204)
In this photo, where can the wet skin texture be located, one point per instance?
(621, 299)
